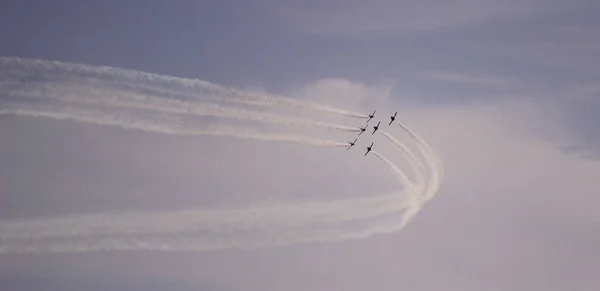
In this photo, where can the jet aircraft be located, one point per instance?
(375, 128)
(371, 116)
(369, 149)
(362, 129)
(351, 144)
(393, 118)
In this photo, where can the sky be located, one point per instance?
(506, 92)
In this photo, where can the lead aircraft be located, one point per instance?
(351, 144)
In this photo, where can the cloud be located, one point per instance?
(512, 201)
(334, 17)
(344, 93)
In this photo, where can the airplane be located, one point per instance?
(351, 144)
(369, 149)
(375, 128)
(362, 129)
(371, 116)
(393, 118)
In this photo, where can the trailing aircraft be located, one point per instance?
(369, 149)
(375, 128)
(351, 144)
(393, 118)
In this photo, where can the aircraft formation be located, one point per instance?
(375, 128)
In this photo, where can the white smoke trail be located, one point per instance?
(177, 106)
(434, 161)
(19, 65)
(408, 187)
(151, 125)
(424, 144)
(216, 222)
(193, 243)
(90, 232)
(414, 161)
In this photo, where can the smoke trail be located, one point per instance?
(177, 106)
(215, 221)
(218, 222)
(434, 161)
(152, 125)
(193, 243)
(427, 147)
(409, 188)
(21, 66)
(93, 233)
(416, 164)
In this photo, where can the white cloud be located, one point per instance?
(343, 93)
(507, 184)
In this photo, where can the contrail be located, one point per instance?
(194, 243)
(96, 117)
(219, 228)
(183, 107)
(415, 162)
(435, 162)
(424, 144)
(96, 232)
(214, 221)
(409, 188)
(24, 66)
(150, 125)
(427, 147)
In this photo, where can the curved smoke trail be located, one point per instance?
(417, 165)
(434, 161)
(146, 231)
(103, 228)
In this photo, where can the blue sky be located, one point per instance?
(507, 93)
